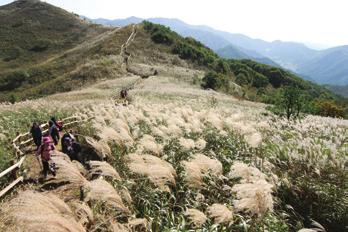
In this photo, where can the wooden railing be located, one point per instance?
(24, 140)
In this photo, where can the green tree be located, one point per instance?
(260, 81)
(291, 102)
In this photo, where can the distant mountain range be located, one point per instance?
(329, 66)
(340, 90)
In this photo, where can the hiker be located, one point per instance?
(58, 124)
(65, 139)
(73, 150)
(126, 59)
(36, 133)
(124, 93)
(53, 132)
(44, 152)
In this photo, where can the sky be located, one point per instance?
(317, 22)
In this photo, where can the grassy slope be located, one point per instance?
(296, 152)
(33, 31)
(56, 48)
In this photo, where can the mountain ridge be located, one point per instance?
(201, 33)
(294, 56)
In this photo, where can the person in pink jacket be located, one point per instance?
(45, 152)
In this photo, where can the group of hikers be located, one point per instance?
(46, 143)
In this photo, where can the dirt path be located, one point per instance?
(124, 53)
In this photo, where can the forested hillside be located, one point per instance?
(259, 82)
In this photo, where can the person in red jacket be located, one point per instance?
(45, 152)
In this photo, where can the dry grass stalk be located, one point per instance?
(199, 166)
(123, 130)
(83, 213)
(247, 129)
(220, 213)
(187, 144)
(80, 167)
(196, 217)
(117, 227)
(159, 172)
(148, 144)
(33, 211)
(101, 147)
(254, 193)
(101, 191)
(116, 131)
(138, 224)
(125, 195)
(67, 173)
(255, 198)
(100, 168)
(247, 173)
(200, 144)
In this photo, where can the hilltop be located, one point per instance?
(32, 31)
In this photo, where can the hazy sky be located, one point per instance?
(315, 21)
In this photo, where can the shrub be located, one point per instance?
(222, 67)
(13, 80)
(199, 56)
(13, 98)
(213, 80)
(329, 108)
(12, 54)
(40, 46)
(159, 33)
(162, 37)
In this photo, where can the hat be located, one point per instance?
(46, 140)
